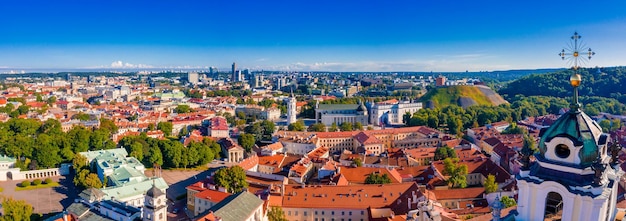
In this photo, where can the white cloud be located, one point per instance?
(454, 63)
(120, 64)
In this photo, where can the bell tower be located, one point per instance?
(573, 175)
(154, 205)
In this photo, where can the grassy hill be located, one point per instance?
(461, 95)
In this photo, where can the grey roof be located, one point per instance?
(154, 192)
(83, 212)
(237, 207)
(337, 107)
(91, 194)
(121, 208)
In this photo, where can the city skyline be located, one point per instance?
(304, 36)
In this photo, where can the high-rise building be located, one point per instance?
(192, 78)
(440, 81)
(235, 76)
(257, 80)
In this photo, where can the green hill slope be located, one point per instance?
(461, 95)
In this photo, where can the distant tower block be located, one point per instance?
(291, 109)
(234, 72)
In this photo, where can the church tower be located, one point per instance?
(154, 205)
(291, 109)
(574, 176)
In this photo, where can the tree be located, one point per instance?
(47, 152)
(92, 180)
(455, 172)
(136, 151)
(231, 178)
(246, 141)
(166, 127)
(513, 129)
(507, 201)
(357, 162)
(151, 127)
(81, 176)
(15, 210)
(276, 214)
(155, 156)
(51, 100)
(81, 116)
(317, 127)
(444, 152)
(376, 178)
(297, 126)
(79, 162)
(490, 184)
(182, 108)
(357, 126)
(108, 126)
(333, 127)
(345, 126)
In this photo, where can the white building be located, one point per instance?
(340, 113)
(291, 109)
(390, 112)
(573, 177)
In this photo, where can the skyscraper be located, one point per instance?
(193, 78)
(235, 78)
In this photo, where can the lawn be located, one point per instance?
(32, 187)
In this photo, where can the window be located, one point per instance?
(315, 212)
(350, 213)
(305, 213)
(289, 213)
(562, 151)
(362, 211)
(332, 213)
(343, 213)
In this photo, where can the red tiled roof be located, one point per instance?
(394, 196)
(212, 195)
(464, 193)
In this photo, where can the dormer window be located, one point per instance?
(562, 151)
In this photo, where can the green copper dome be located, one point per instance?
(578, 127)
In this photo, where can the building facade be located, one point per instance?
(340, 113)
(391, 112)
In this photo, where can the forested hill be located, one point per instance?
(602, 82)
(462, 95)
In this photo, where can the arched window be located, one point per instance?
(554, 205)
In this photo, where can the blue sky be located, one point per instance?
(327, 35)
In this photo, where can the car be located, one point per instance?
(175, 210)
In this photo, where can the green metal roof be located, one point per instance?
(6, 159)
(237, 207)
(133, 189)
(581, 129)
(338, 107)
(109, 154)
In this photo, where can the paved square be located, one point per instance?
(44, 200)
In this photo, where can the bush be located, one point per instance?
(25, 183)
(37, 182)
(47, 181)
